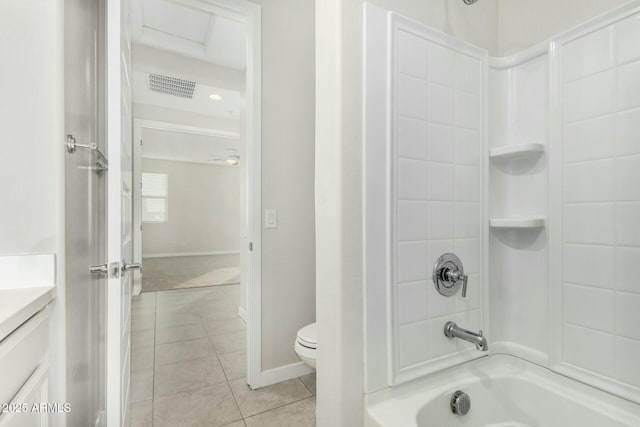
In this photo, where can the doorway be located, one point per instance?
(187, 213)
(196, 207)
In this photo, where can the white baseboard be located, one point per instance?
(283, 373)
(177, 254)
(243, 314)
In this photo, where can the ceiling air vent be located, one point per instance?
(171, 86)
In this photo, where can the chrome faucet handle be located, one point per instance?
(448, 275)
(456, 276)
(464, 289)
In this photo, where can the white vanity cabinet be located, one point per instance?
(24, 372)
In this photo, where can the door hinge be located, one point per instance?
(250, 246)
(114, 270)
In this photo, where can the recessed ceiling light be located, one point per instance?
(215, 97)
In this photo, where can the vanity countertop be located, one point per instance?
(18, 305)
(27, 285)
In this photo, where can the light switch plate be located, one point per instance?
(270, 218)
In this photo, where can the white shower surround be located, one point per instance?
(535, 338)
(438, 94)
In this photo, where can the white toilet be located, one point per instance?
(306, 344)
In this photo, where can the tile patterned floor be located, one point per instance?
(188, 366)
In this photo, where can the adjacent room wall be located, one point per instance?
(524, 23)
(288, 106)
(203, 209)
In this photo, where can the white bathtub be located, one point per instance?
(505, 392)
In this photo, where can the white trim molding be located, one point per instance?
(284, 373)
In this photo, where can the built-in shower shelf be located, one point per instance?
(517, 151)
(518, 222)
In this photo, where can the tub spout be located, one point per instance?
(452, 330)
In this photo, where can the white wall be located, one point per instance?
(476, 24)
(288, 252)
(203, 209)
(32, 153)
(31, 118)
(524, 23)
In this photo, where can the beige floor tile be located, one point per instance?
(207, 407)
(226, 313)
(147, 299)
(228, 343)
(142, 414)
(187, 376)
(298, 414)
(309, 382)
(252, 402)
(142, 385)
(233, 293)
(180, 333)
(236, 424)
(167, 354)
(142, 357)
(143, 315)
(181, 305)
(214, 308)
(142, 323)
(225, 326)
(143, 338)
(169, 319)
(234, 364)
(142, 310)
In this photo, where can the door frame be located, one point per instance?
(251, 248)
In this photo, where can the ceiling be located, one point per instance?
(186, 147)
(181, 31)
(190, 31)
(201, 103)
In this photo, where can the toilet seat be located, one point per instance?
(306, 344)
(307, 337)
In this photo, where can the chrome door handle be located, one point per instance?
(103, 268)
(129, 267)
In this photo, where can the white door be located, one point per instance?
(119, 222)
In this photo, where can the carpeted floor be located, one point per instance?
(161, 274)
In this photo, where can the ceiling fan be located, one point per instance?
(231, 157)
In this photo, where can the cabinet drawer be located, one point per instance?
(26, 409)
(21, 353)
